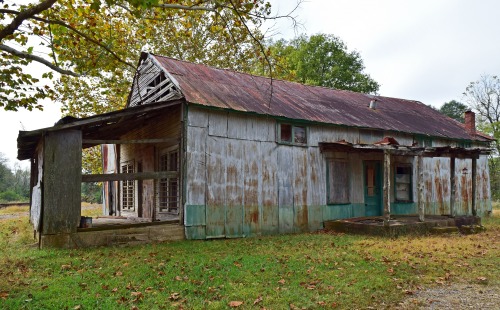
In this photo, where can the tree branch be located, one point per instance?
(20, 54)
(78, 32)
(23, 15)
(186, 7)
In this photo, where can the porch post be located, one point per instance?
(387, 187)
(474, 177)
(452, 186)
(420, 188)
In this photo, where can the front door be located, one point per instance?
(373, 189)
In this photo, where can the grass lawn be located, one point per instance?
(278, 272)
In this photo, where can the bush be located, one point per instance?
(10, 195)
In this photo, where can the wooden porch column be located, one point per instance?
(453, 186)
(474, 181)
(420, 188)
(387, 187)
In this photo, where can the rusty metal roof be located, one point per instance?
(237, 91)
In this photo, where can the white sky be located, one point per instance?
(426, 50)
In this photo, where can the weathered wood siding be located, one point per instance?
(241, 182)
(62, 174)
(164, 126)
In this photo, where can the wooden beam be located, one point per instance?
(453, 186)
(129, 176)
(387, 187)
(420, 189)
(474, 181)
(139, 141)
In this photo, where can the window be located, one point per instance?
(291, 134)
(338, 182)
(128, 188)
(403, 183)
(169, 187)
(423, 141)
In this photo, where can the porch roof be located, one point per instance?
(396, 149)
(107, 126)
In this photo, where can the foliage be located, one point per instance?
(454, 109)
(278, 272)
(92, 192)
(321, 60)
(98, 42)
(14, 185)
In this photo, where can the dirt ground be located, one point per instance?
(455, 296)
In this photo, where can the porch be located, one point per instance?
(405, 225)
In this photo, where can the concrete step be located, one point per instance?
(444, 230)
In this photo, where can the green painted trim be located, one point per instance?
(302, 121)
(292, 124)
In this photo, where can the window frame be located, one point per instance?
(410, 184)
(128, 190)
(329, 181)
(293, 126)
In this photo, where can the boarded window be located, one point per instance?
(128, 188)
(338, 182)
(403, 183)
(290, 134)
(169, 187)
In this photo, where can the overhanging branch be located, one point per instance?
(20, 54)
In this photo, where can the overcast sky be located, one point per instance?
(425, 50)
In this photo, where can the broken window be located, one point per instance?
(291, 134)
(403, 182)
(338, 181)
(169, 187)
(128, 187)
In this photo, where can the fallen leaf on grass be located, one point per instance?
(482, 279)
(174, 296)
(65, 267)
(258, 300)
(4, 295)
(44, 287)
(282, 281)
(235, 304)
(118, 273)
(77, 307)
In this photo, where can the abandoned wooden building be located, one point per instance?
(202, 153)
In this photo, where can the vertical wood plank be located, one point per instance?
(387, 187)
(420, 188)
(234, 188)
(453, 187)
(474, 182)
(62, 177)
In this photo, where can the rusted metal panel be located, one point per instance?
(237, 126)
(197, 117)
(196, 165)
(217, 123)
(269, 193)
(234, 221)
(285, 188)
(316, 178)
(233, 161)
(216, 187)
(332, 134)
(301, 167)
(243, 92)
(252, 180)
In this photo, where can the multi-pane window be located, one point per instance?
(403, 184)
(291, 134)
(169, 187)
(338, 181)
(127, 187)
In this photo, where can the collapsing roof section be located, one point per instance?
(226, 89)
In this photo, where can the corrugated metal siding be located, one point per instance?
(253, 187)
